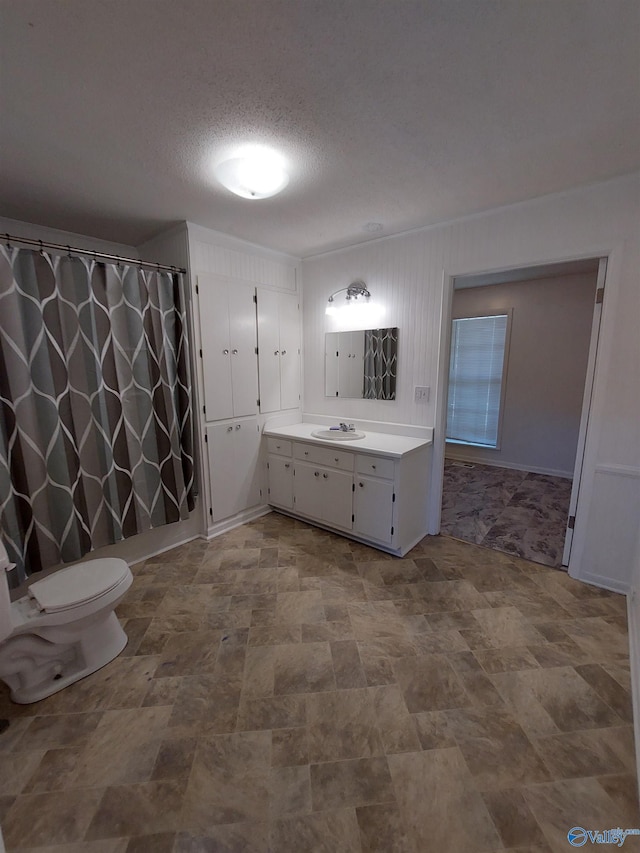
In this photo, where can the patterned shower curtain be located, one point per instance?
(380, 364)
(96, 440)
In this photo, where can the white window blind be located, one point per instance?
(475, 379)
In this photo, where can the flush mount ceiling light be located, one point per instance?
(356, 290)
(257, 173)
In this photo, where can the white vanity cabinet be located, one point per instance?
(278, 350)
(377, 498)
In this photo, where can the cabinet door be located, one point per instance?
(247, 457)
(243, 342)
(289, 318)
(281, 481)
(233, 467)
(213, 306)
(307, 490)
(373, 502)
(222, 470)
(337, 498)
(269, 350)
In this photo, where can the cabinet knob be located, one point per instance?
(276, 352)
(336, 459)
(225, 352)
(306, 453)
(325, 476)
(361, 485)
(316, 473)
(374, 467)
(286, 465)
(234, 352)
(238, 426)
(230, 429)
(284, 352)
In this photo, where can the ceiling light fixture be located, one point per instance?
(352, 293)
(257, 173)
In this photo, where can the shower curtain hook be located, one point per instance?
(69, 251)
(41, 248)
(8, 241)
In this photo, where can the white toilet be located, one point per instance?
(63, 629)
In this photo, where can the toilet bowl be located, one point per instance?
(63, 629)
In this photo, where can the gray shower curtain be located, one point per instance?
(96, 440)
(380, 364)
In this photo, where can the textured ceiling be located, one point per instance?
(399, 112)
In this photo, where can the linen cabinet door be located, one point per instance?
(247, 453)
(373, 508)
(243, 342)
(213, 307)
(289, 318)
(222, 470)
(337, 498)
(269, 350)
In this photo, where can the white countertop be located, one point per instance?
(374, 442)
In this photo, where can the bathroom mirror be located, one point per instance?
(361, 364)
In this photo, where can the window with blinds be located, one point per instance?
(476, 372)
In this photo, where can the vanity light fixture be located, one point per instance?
(256, 173)
(352, 293)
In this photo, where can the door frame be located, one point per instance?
(442, 386)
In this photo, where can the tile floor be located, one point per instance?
(518, 512)
(286, 690)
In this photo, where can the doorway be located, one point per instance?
(516, 490)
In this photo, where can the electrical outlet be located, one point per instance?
(421, 393)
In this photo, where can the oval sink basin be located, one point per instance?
(337, 435)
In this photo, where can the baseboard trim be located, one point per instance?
(236, 520)
(513, 466)
(633, 624)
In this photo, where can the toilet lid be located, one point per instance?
(78, 584)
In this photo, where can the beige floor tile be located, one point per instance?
(439, 803)
(61, 817)
(326, 832)
(429, 683)
(357, 782)
(342, 724)
(229, 781)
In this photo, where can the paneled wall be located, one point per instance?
(411, 274)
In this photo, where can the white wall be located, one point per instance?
(547, 362)
(412, 273)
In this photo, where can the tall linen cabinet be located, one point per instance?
(246, 311)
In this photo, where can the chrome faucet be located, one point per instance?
(345, 428)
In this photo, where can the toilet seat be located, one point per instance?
(78, 585)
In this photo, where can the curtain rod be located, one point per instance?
(44, 244)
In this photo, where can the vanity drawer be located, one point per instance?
(324, 456)
(375, 466)
(280, 446)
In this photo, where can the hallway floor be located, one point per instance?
(518, 512)
(286, 690)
